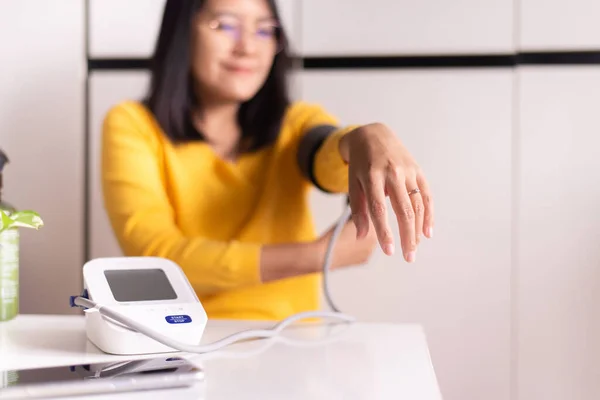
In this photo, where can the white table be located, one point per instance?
(316, 361)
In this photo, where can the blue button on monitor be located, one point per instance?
(178, 319)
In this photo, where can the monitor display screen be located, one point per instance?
(139, 285)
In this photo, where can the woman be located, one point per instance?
(213, 170)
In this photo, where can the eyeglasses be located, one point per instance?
(268, 34)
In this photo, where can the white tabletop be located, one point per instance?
(315, 361)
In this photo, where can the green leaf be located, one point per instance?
(20, 219)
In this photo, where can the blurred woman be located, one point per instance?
(214, 168)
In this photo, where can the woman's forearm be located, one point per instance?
(289, 260)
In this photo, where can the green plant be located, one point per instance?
(20, 219)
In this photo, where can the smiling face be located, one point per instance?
(234, 43)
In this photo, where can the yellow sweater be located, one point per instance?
(211, 216)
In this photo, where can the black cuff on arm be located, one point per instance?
(309, 145)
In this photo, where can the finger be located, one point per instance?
(428, 217)
(358, 205)
(417, 206)
(403, 208)
(374, 188)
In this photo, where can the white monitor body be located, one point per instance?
(151, 290)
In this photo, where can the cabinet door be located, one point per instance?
(558, 292)
(125, 29)
(458, 126)
(121, 29)
(559, 25)
(41, 120)
(383, 27)
(106, 90)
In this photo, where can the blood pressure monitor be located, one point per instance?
(149, 290)
(144, 305)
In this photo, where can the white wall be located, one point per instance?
(458, 123)
(507, 290)
(106, 89)
(459, 289)
(558, 25)
(141, 20)
(558, 258)
(556, 283)
(42, 77)
(392, 27)
(109, 19)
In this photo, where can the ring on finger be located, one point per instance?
(414, 191)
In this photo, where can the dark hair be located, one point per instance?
(171, 97)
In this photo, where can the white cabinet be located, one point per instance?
(106, 90)
(559, 25)
(42, 107)
(120, 29)
(398, 27)
(129, 29)
(558, 281)
(458, 126)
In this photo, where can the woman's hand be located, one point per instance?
(280, 261)
(380, 166)
(349, 249)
